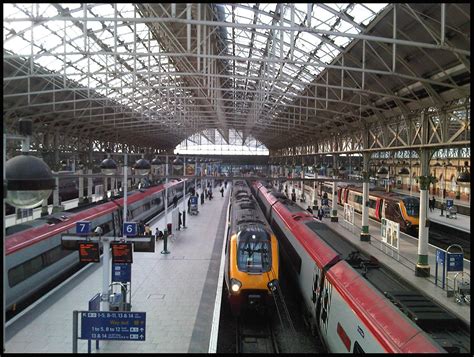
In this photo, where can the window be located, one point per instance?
(412, 206)
(254, 256)
(30, 267)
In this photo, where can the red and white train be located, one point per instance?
(344, 295)
(35, 256)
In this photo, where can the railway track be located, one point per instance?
(254, 335)
(443, 236)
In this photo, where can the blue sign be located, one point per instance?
(83, 227)
(449, 203)
(111, 325)
(440, 256)
(122, 272)
(455, 262)
(130, 228)
(194, 200)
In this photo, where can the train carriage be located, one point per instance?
(345, 295)
(35, 256)
(251, 254)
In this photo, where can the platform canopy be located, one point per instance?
(155, 74)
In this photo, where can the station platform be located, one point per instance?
(177, 291)
(404, 262)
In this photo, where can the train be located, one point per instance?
(35, 256)
(251, 254)
(355, 304)
(396, 207)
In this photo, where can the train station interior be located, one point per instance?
(236, 178)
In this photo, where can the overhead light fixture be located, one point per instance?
(142, 167)
(108, 166)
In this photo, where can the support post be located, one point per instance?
(166, 192)
(81, 186)
(364, 235)
(422, 267)
(334, 217)
(44, 208)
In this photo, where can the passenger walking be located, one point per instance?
(320, 214)
(222, 191)
(225, 184)
(179, 221)
(175, 201)
(293, 197)
(202, 198)
(189, 204)
(433, 204)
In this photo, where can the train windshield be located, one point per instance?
(412, 206)
(254, 254)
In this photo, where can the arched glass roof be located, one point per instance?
(156, 74)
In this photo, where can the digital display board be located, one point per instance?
(89, 252)
(121, 252)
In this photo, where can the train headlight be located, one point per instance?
(235, 285)
(272, 285)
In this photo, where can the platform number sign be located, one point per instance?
(130, 228)
(83, 227)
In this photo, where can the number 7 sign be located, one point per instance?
(83, 227)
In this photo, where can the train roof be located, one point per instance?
(246, 213)
(394, 329)
(292, 215)
(41, 231)
(366, 274)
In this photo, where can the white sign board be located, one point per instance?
(390, 232)
(348, 213)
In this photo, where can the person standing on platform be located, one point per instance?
(158, 234)
(222, 191)
(179, 220)
(225, 184)
(147, 230)
(320, 214)
(202, 198)
(189, 204)
(433, 204)
(175, 201)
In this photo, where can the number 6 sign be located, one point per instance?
(130, 228)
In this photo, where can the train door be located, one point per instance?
(316, 298)
(325, 301)
(383, 206)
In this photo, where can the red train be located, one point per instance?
(350, 299)
(34, 253)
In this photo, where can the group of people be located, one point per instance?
(207, 193)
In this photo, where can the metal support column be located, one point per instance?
(364, 235)
(81, 186)
(422, 267)
(334, 217)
